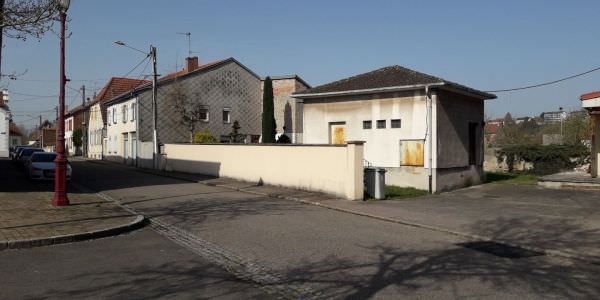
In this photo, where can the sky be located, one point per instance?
(487, 45)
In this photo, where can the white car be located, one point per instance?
(41, 166)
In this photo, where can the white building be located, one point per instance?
(121, 133)
(97, 122)
(426, 132)
(4, 126)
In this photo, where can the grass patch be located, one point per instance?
(396, 192)
(510, 178)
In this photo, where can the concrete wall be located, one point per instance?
(454, 113)
(595, 154)
(288, 111)
(331, 169)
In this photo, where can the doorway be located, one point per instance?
(337, 133)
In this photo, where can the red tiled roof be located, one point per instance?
(117, 86)
(590, 95)
(14, 130)
(491, 128)
(184, 71)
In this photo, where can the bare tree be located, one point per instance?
(20, 19)
(190, 110)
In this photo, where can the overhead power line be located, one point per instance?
(546, 83)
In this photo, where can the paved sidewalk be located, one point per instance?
(28, 219)
(562, 223)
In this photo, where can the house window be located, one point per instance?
(124, 113)
(132, 112)
(367, 124)
(380, 124)
(396, 123)
(109, 117)
(227, 115)
(204, 114)
(114, 115)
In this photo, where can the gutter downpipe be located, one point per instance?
(429, 135)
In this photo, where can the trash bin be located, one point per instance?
(375, 182)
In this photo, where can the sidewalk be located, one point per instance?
(28, 219)
(554, 223)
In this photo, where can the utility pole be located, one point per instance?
(83, 95)
(1, 31)
(154, 108)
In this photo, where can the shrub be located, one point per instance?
(284, 139)
(545, 159)
(204, 137)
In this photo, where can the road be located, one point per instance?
(289, 249)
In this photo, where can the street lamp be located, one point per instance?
(60, 176)
(151, 54)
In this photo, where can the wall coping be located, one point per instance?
(263, 145)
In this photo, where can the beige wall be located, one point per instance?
(595, 154)
(331, 169)
(96, 124)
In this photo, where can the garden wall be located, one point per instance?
(333, 169)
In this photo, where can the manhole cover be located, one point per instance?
(500, 250)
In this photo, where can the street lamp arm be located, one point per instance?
(121, 43)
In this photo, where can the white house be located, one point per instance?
(121, 133)
(4, 125)
(97, 123)
(426, 132)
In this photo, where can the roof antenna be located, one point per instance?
(189, 36)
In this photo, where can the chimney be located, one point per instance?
(191, 64)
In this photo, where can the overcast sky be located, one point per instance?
(487, 45)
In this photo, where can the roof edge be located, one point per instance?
(367, 91)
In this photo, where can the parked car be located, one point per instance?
(15, 152)
(25, 153)
(41, 166)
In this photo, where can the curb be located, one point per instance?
(139, 222)
(548, 252)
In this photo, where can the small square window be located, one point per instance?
(204, 114)
(367, 124)
(227, 115)
(380, 124)
(396, 123)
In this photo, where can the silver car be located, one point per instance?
(41, 166)
(25, 153)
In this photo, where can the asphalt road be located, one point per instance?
(326, 253)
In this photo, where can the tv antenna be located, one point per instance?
(189, 36)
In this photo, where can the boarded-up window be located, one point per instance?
(412, 153)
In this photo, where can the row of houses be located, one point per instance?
(424, 130)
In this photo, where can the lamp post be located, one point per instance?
(152, 55)
(60, 176)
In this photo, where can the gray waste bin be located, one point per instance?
(375, 182)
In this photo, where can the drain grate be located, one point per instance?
(500, 250)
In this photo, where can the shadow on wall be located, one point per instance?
(195, 167)
(287, 119)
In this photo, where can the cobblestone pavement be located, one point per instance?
(26, 211)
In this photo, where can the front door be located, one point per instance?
(337, 133)
(125, 147)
